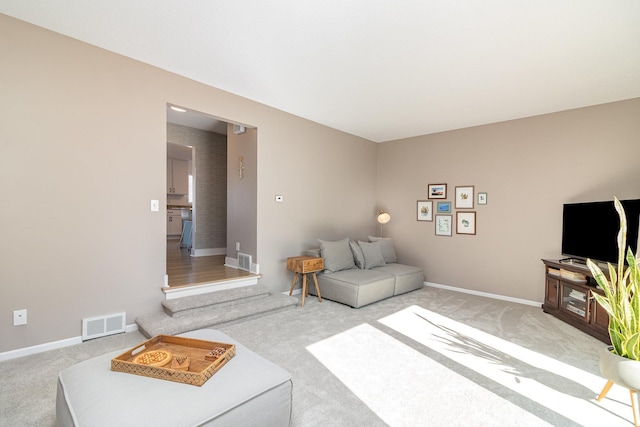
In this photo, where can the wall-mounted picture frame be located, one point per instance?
(482, 198)
(465, 223)
(464, 197)
(444, 225)
(443, 207)
(437, 191)
(425, 210)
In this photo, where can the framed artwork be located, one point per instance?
(464, 197)
(443, 225)
(465, 223)
(443, 207)
(425, 210)
(482, 198)
(437, 191)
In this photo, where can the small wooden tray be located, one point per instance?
(199, 369)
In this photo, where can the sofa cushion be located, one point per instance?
(355, 287)
(337, 255)
(408, 278)
(372, 254)
(358, 256)
(388, 250)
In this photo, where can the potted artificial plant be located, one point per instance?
(621, 300)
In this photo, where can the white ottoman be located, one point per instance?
(248, 391)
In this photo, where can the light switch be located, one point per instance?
(279, 199)
(155, 206)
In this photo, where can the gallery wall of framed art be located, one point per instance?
(464, 200)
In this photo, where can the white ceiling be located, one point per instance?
(177, 151)
(382, 70)
(196, 119)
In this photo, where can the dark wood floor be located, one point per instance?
(185, 270)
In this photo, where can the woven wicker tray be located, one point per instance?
(188, 359)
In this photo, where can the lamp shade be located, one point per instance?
(383, 217)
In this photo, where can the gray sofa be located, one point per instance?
(361, 273)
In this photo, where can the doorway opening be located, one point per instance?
(197, 249)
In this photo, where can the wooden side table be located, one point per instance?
(305, 265)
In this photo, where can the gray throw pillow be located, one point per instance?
(372, 254)
(388, 250)
(358, 256)
(337, 255)
(315, 252)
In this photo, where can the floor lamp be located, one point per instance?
(383, 218)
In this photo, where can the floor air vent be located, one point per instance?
(96, 327)
(244, 262)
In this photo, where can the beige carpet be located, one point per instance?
(428, 358)
(402, 386)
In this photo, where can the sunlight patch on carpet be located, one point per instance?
(564, 389)
(406, 388)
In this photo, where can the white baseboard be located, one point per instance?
(40, 348)
(208, 252)
(298, 291)
(484, 294)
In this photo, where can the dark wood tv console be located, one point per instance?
(570, 299)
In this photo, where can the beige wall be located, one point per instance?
(83, 152)
(242, 195)
(529, 168)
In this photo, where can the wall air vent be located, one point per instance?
(244, 262)
(96, 327)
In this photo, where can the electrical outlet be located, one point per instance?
(237, 246)
(19, 317)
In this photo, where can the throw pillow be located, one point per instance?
(358, 256)
(315, 252)
(337, 255)
(388, 250)
(372, 254)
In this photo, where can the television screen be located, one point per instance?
(590, 230)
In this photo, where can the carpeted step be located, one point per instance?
(188, 306)
(161, 323)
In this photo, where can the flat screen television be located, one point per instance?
(590, 230)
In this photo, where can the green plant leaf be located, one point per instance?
(621, 294)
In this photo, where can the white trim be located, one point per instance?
(298, 291)
(205, 288)
(208, 252)
(484, 294)
(40, 348)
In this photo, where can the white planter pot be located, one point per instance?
(622, 371)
